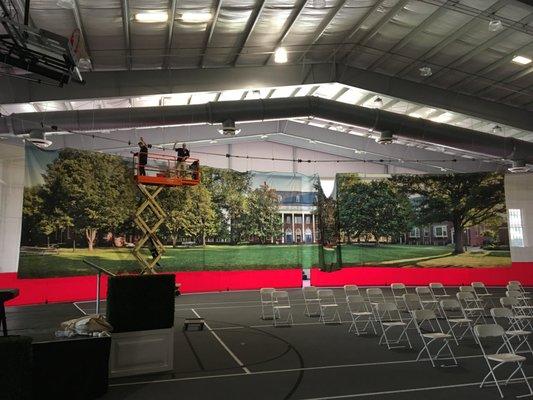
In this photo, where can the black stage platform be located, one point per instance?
(240, 356)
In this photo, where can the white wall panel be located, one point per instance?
(11, 196)
(519, 196)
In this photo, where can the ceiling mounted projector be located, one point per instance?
(385, 138)
(38, 138)
(518, 166)
(228, 128)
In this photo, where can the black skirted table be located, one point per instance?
(6, 295)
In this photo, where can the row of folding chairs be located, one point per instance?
(509, 323)
(276, 306)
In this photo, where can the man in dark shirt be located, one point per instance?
(182, 156)
(143, 156)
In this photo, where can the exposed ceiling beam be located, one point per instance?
(125, 7)
(407, 38)
(81, 27)
(371, 32)
(454, 36)
(170, 33)
(252, 22)
(491, 67)
(499, 37)
(298, 9)
(323, 27)
(210, 29)
(435, 97)
(138, 83)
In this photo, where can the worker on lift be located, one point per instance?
(183, 155)
(143, 156)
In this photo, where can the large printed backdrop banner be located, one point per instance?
(79, 205)
(452, 220)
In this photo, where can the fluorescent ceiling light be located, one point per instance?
(231, 95)
(196, 16)
(150, 17)
(521, 60)
(202, 98)
(443, 117)
(280, 55)
(284, 91)
(352, 96)
(328, 90)
(304, 90)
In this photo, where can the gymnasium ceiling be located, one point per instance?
(352, 51)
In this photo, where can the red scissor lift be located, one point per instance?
(160, 170)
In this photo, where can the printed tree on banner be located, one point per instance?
(93, 189)
(463, 199)
(372, 209)
(263, 219)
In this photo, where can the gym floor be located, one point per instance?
(241, 356)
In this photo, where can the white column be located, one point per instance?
(313, 227)
(293, 232)
(282, 228)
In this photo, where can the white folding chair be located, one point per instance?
(281, 305)
(411, 302)
(455, 318)
(389, 317)
(328, 306)
(351, 290)
(512, 328)
(266, 302)
(432, 336)
(480, 289)
(361, 312)
(495, 360)
(523, 319)
(517, 285)
(438, 290)
(522, 300)
(470, 306)
(426, 297)
(470, 289)
(375, 296)
(398, 290)
(310, 293)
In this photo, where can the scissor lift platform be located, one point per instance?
(161, 170)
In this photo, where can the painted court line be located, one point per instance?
(237, 360)
(284, 371)
(79, 308)
(422, 389)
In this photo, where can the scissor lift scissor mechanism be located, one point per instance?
(166, 172)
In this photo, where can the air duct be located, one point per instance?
(284, 108)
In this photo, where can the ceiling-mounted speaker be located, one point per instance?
(385, 137)
(38, 138)
(518, 166)
(228, 128)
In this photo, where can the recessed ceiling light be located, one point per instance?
(150, 17)
(311, 141)
(213, 141)
(195, 16)
(280, 55)
(521, 60)
(264, 137)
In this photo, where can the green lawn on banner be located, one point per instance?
(69, 263)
